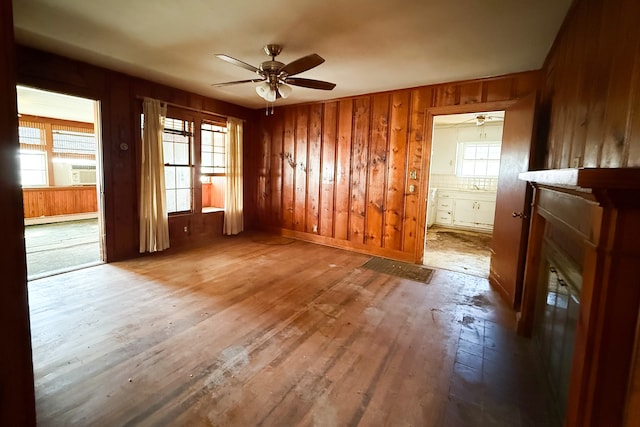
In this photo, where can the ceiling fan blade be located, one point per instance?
(237, 62)
(302, 64)
(312, 84)
(236, 82)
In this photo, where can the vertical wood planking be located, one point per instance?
(419, 102)
(277, 163)
(343, 170)
(264, 175)
(313, 168)
(346, 163)
(359, 161)
(120, 107)
(499, 90)
(327, 182)
(445, 95)
(289, 168)
(396, 160)
(582, 52)
(524, 84)
(300, 197)
(620, 85)
(559, 112)
(377, 170)
(590, 87)
(633, 139)
(471, 93)
(601, 71)
(122, 229)
(59, 201)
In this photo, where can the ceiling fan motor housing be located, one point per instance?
(273, 50)
(270, 71)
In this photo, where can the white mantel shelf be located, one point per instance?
(611, 178)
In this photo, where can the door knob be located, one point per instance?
(519, 215)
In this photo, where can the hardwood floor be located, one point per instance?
(256, 330)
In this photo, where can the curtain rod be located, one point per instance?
(197, 110)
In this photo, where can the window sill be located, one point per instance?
(210, 210)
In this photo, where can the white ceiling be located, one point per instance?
(41, 103)
(368, 45)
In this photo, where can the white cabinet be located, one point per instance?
(466, 209)
(474, 213)
(444, 208)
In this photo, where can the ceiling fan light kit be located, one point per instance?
(275, 77)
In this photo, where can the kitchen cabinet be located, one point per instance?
(444, 208)
(466, 209)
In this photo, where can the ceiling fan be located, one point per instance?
(275, 77)
(481, 118)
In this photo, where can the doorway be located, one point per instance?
(463, 181)
(60, 171)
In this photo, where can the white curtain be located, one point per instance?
(154, 220)
(233, 217)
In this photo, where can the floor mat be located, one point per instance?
(399, 269)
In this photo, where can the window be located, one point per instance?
(73, 143)
(33, 154)
(212, 167)
(213, 162)
(52, 151)
(176, 140)
(478, 159)
(33, 167)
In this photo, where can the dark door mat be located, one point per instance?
(399, 269)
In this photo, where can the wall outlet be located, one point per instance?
(315, 228)
(412, 188)
(413, 174)
(186, 229)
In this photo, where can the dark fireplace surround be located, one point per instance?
(592, 219)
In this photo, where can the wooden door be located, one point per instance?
(511, 222)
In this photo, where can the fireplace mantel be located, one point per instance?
(586, 178)
(596, 213)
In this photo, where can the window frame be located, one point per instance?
(460, 158)
(197, 118)
(188, 125)
(213, 152)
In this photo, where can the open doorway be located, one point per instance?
(463, 181)
(61, 180)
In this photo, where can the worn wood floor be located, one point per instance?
(258, 331)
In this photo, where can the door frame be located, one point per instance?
(427, 145)
(98, 131)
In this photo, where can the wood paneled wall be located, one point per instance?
(353, 172)
(120, 106)
(59, 201)
(592, 87)
(17, 397)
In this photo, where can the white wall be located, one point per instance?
(444, 153)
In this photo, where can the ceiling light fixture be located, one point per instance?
(270, 91)
(275, 77)
(266, 91)
(284, 90)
